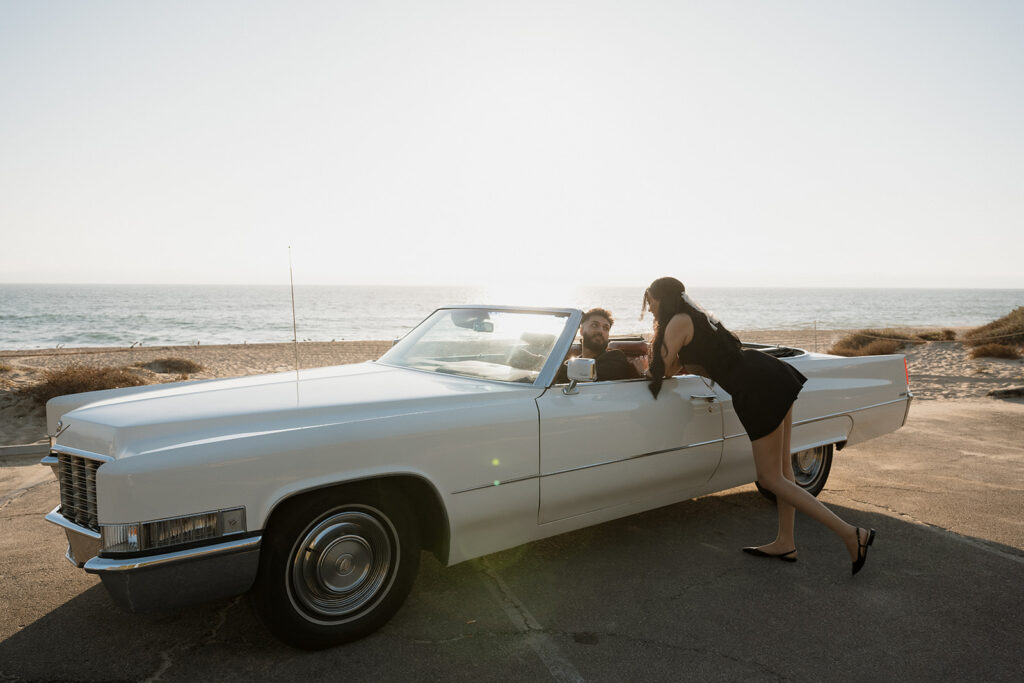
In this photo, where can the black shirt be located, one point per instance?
(611, 365)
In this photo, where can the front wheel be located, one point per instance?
(811, 468)
(336, 565)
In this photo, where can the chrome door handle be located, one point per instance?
(710, 399)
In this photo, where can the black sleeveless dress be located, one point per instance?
(762, 387)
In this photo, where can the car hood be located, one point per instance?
(128, 422)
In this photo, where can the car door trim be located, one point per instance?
(843, 413)
(590, 465)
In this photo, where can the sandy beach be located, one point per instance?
(939, 370)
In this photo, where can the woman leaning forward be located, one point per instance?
(763, 390)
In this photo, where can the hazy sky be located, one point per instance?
(875, 143)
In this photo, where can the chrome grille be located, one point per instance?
(77, 477)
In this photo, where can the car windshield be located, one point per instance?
(506, 346)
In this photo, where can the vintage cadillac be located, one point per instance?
(318, 489)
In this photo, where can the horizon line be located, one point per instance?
(486, 286)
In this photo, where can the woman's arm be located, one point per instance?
(678, 333)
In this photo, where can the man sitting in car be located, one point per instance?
(612, 364)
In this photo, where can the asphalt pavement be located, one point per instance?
(661, 596)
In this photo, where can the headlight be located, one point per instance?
(163, 533)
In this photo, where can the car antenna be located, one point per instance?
(295, 328)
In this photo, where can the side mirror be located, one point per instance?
(579, 370)
(582, 370)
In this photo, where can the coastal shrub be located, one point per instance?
(995, 351)
(1006, 330)
(938, 335)
(180, 366)
(877, 347)
(872, 343)
(4, 367)
(75, 380)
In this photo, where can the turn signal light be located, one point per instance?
(165, 533)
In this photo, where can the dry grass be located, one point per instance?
(995, 351)
(883, 342)
(78, 379)
(938, 335)
(181, 366)
(873, 343)
(1006, 330)
(4, 367)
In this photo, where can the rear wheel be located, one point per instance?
(811, 468)
(336, 565)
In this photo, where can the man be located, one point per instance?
(594, 334)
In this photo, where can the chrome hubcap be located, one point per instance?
(342, 563)
(807, 465)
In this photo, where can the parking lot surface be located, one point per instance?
(661, 596)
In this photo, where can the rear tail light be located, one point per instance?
(906, 368)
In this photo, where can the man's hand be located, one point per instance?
(640, 363)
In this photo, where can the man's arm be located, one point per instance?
(613, 365)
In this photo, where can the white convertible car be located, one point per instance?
(318, 489)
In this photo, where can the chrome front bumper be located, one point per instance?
(167, 580)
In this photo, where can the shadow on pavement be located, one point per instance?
(665, 595)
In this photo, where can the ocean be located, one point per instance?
(46, 316)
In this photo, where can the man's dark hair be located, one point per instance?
(604, 313)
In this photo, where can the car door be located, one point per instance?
(612, 444)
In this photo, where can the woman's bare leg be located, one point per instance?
(773, 462)
(787, 513)
(785, 540)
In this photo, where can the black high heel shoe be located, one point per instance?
(862, 550)
(785, 557)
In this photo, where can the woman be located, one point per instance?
(763, 390)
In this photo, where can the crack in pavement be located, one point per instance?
(680, 648)
(540, 638)
(582, 636)
(18, 493)
(168, 656)
(560, 668)
(33, 515)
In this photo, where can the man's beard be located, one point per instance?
(595, 345)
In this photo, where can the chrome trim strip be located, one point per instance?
(100, 565)
(68, 450)
(54, 517)
(633, 457)
(845, 413)
(497, 482)
(590, 465)
(185, 516)
(848, 412)
(670, 450)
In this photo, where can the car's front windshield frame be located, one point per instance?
(570, 318)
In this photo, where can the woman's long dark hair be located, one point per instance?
(670, 294)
